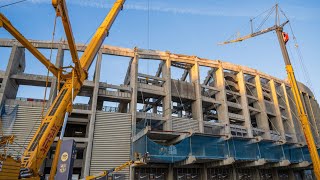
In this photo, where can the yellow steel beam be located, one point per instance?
(42, 140)
(4, 22)
(62, 11)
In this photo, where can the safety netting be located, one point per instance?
(293, 153)
(243, 149)
(161, 153)
(271, 151)
(204, 147)
(7, 117)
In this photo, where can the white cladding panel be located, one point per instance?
(111, 142)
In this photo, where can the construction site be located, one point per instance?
(234, 123)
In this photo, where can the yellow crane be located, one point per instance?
(117, 169)
(282, 38)
(56, 116)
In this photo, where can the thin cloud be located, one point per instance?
(155, 7)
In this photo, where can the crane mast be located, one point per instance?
(50, 125)
(278, 28)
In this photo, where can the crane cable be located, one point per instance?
(47, 82)
(299, 54)
(10, 4)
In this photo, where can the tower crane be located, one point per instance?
(56, 116)
(283, 38)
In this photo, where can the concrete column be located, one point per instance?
(275, 175)
(312, 118)
(316, 110)
(16, 64)
(53, 88)
(134, 89)
(234, 173)
(223, 114)
(167, 99)
(262, 117)
(170, 172)
(204, 172)
(291, 174)
(244, 103)
(292, 130)
(278, 123)
(196, 105)
(93, 116)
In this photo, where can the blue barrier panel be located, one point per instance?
(168, 154)
(243, 149)
(270, 151)
(208, 147)
(306, 154)
(292, 153)
(139, 146)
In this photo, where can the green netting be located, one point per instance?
(206, 147)
(306, 154)
(161, 153)
(293, 153)
(271, 151)
(216, 148)
(243, 149)
(8, 117)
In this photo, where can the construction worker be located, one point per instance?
(285, 37)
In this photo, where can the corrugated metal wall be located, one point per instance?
(111, 142)
(26, 123)
(181, 124)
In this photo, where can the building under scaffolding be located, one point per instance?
(233, 123)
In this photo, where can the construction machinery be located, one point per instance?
(57, 114)
(117, 169)
(283, 38)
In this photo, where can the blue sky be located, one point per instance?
(181, 26)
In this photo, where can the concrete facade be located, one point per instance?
(231, 101)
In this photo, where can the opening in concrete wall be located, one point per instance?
(82, 102)
(149, 66)
(67, 61)
(114, 69)
(5, 55)
(206, 74)
(180, 74)
(32, 93)
(34, 66)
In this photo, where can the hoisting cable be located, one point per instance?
(10, 4)
(300, 57)
(47, 82)
(47, 77)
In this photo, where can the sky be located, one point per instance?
(189, 27)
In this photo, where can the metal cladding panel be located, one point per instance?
(111, 142)
(182, 125)
(25, 125)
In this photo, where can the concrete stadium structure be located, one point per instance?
(234, 123)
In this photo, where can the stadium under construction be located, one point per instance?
(193, 118)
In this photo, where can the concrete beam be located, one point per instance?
(292, 130)
(244, 103)
(53, 88)
(196, 105)
(278, 123)
(184, 75)
(221, 96)
(259, 162)
(16, 64)
(225, 162)
(134, 94)
(262, 117)
(167, 99)
(92, 116)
